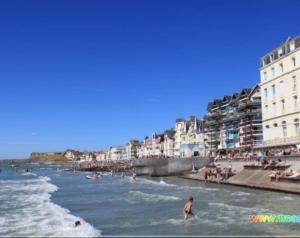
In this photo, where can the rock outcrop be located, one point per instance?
(49, 157)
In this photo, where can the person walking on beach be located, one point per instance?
(187, 210)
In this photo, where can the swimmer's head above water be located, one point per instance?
(77, 223)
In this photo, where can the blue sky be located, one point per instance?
(90, 74)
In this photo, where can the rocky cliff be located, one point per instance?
(55, 157)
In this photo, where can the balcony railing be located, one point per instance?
(282, 141)
(233, 117)
(211, 122)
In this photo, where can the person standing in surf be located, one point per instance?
(187, 210)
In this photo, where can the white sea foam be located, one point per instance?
(210, 189)
(154, 182)
(287, 198)
(199, 188)
(239, 209)
(151, 197)
(171, 221)
(240, 194)
(26, 210)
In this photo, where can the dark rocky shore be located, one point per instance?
(105, 166)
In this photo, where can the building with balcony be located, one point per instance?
(152, 147)
(117, 153)
(233, 123)
(280, 85)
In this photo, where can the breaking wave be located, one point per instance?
(151, 197)
(26, 210)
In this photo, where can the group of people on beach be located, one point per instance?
(252, 155)
(266, 163)
(217, 173)
(278, 174)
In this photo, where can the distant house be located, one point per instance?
(88, 156)
(169, 142)
(152, 147)
(100, 155)
(189, 138)
(117, 153)
(72, 154)
(133, 147)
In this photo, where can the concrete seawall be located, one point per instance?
(254, 178)
(167, 167)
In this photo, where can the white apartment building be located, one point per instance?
(280, 91)
(117, 153)
(152, 147)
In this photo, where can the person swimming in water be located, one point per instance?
(77, 223)
(187, 210)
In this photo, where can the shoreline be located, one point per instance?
(248, 178)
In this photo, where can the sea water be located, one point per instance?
(48, 201)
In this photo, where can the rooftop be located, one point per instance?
(280, 51)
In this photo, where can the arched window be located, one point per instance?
(297, 126)
(284, 130)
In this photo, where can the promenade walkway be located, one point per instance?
(252, 178)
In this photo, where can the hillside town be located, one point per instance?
(263, 118)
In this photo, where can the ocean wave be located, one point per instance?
(171, 221)
(286, 198)
(240, 194)
(154, 182)
(151, 197)
(26, 210)
(209, 189)
(239, 209)
(199, 188)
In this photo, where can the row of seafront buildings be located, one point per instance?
(265, 117)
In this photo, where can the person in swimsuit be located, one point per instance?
(187, 210)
